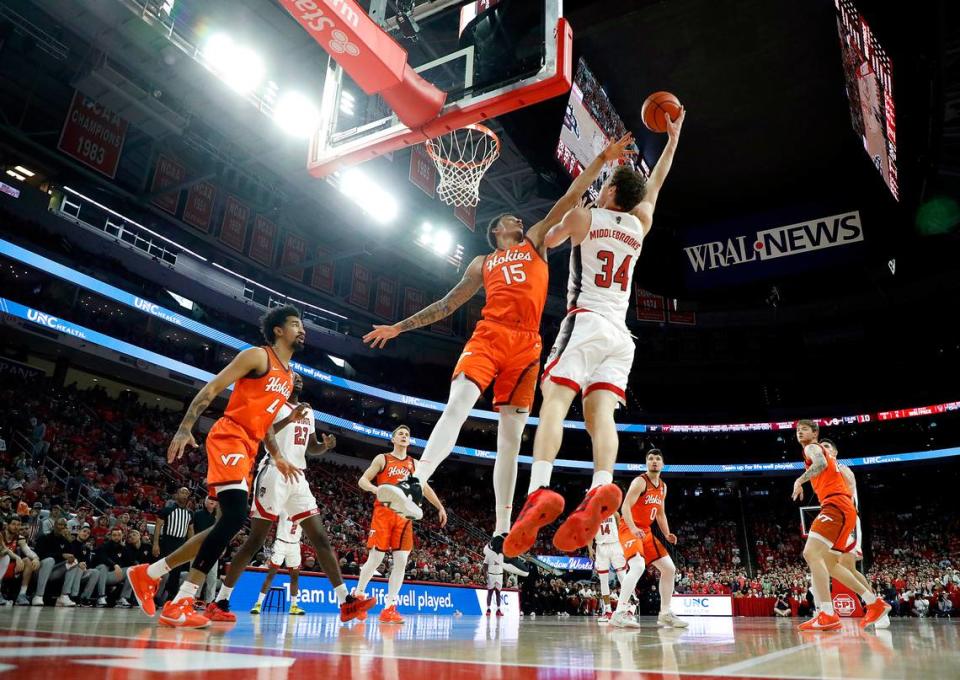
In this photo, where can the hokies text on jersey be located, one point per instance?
(509, 256)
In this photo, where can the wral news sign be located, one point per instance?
(742, 255)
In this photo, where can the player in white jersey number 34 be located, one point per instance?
(593, 352)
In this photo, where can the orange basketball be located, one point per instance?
(655, 109)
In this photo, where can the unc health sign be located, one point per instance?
(702, 605)
(317, 596)
(739, 254)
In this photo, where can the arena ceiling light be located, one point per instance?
(369, 195)
(296, 114)
(440, 242)
(24, 171)
(237, 65)
(16, 175)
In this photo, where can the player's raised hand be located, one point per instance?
(797, 490)
(329, 442)
(181, 440)
(301, 411)
(621, 148)
(674, 126)
(289, 471)
(379, 335)
(442, 517)
(672, 539)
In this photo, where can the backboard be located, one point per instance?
(478, 58)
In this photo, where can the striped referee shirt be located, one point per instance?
(176, 521)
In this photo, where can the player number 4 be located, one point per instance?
(514, 273)
(622, 275)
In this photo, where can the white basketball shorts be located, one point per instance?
(286, 553)
(591, 353)
(494, 581)
(609, 554)
(273, 495)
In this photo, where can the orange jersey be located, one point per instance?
(829, 482)
(394, 470)
(254, 402)
(515, 281)
(645, 510)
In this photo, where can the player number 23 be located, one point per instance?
(514, 273)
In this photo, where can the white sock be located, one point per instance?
(187, 589)
(827, 608)
(509, 435)
(23, 590)
(868, 597)
(540, 473)
(463, 397)
(341, 592)
(261, 597)
(294, 598)
(630, 581)
(224, 593)
(397, 572)
(158, 569)
(601, 477)
(369, 568)
(605, 584)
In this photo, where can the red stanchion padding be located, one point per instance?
(415, 101)
(845, 601)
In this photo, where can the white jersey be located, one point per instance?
(608, 532)
(494, 564)
(601, 267)
(294, 438)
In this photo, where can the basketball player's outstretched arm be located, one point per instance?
(469, 285)
(818, 464)
(644, 209)
(366, 479)
(614, 151)
(662, 520)
(637, 487)
(316, 448)
(848, 477)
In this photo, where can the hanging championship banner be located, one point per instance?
(413, 299)
(93, 134)
(360, 287)
(233, 229)
(682, 318)
(167, 173)
(468, 215)
(198, 210)
(423, 172)
(263, 240)
(322, 278)
(386, 298)
(650, 307)
(294, 251)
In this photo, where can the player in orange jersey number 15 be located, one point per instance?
(505, 347)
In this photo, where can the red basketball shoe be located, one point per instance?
(541, 508)
(584, 522)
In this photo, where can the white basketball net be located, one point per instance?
(462, 157)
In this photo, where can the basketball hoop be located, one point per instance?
(462, 157)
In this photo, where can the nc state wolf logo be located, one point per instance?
(231, 458)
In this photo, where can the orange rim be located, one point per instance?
(431, 151)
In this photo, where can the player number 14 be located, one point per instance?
(514, 273)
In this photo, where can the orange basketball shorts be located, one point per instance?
(505, 356)
(389, 531)
(231, 453)
(836, 523)
(649, 546)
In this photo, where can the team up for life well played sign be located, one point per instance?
(93, 134)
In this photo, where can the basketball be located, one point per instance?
(655, 108)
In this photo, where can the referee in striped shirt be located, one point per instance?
(174, 527)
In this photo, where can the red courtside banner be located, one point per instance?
(473, 315)
(468, 215)
(360, 287)
(413, 301)
(167, 173)
(294, 252)
(423, 173)
(233, 229)
(650, 307)
(93, 134)
(385, 301)
(682, 318)
(198, 210)
(263, 241)
(322, 278)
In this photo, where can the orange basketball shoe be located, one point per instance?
(181, 614)
(390, 615)
(355, 605)
(220, 612)
(821, 621)
(144, 588)
(874, 613)
(584, 522)
(541, 508)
